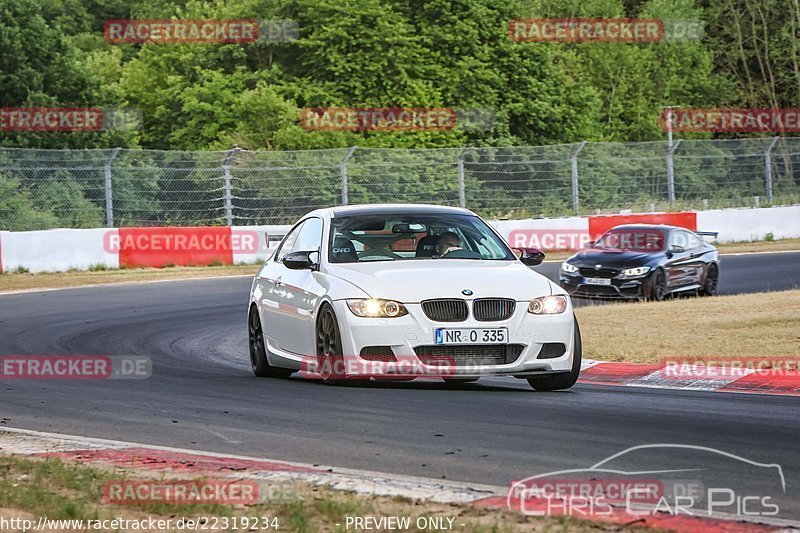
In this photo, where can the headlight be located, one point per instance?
(372, 308)
(548, 305)
(638, 271)
(566, 267)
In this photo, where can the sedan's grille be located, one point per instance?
(378, 353)
(492, 309)
(469, 354)
(598, 272)
(597, 290)
(445, 310)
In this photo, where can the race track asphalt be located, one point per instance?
(202, 395)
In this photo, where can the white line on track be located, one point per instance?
(359, 481)
(122, 284)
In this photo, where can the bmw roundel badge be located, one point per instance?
(466, 292)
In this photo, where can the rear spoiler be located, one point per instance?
(712, 234)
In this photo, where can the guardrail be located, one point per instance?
(120, 187)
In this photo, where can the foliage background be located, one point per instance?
(373, 53)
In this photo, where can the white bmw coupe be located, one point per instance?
(406, 291)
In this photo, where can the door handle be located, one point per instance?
(278, 281)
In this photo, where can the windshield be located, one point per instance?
(398, 237)
(631, 239)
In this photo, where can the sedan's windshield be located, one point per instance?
(394, 237)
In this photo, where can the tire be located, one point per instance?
(258, 350)
(564, 380)
(710, 286)
(330, 361)
(658, 286)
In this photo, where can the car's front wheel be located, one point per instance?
(258, 350)
(330, 361)
(658, 287)
(712, 281)
(563, 380)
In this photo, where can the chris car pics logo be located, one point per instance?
(671, 479)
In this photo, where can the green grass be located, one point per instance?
(66, 490)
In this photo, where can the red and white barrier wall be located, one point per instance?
(59, 250)
(64, 249)
(732, 225)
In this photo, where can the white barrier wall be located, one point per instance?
(268, 238)
(56, 250)
(751, 224)
(534, 230)
(64, 249)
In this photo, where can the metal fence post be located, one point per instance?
(228, 193)
(768, 168)
(671, 172)
(462, 190)
(574, 164)
(109, 194)
(344, 174)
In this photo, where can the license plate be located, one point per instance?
(471, 336)
(597, 281)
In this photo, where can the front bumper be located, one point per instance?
(415, 330)
(620, 288)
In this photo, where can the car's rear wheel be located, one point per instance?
(564, 380)
(258, 350)
(658, 288)
(712, 281)
(330, 360)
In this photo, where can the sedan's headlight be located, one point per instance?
(566, 267)
(548, 305)
(638, 271)
(373, 308)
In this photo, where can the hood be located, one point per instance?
(414, 281)
(612, 258)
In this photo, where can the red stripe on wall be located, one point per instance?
(158, 247)
(602, 223)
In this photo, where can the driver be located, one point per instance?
(448, 242)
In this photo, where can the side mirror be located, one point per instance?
(529, 256)
(677, 248)
(300, 260)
